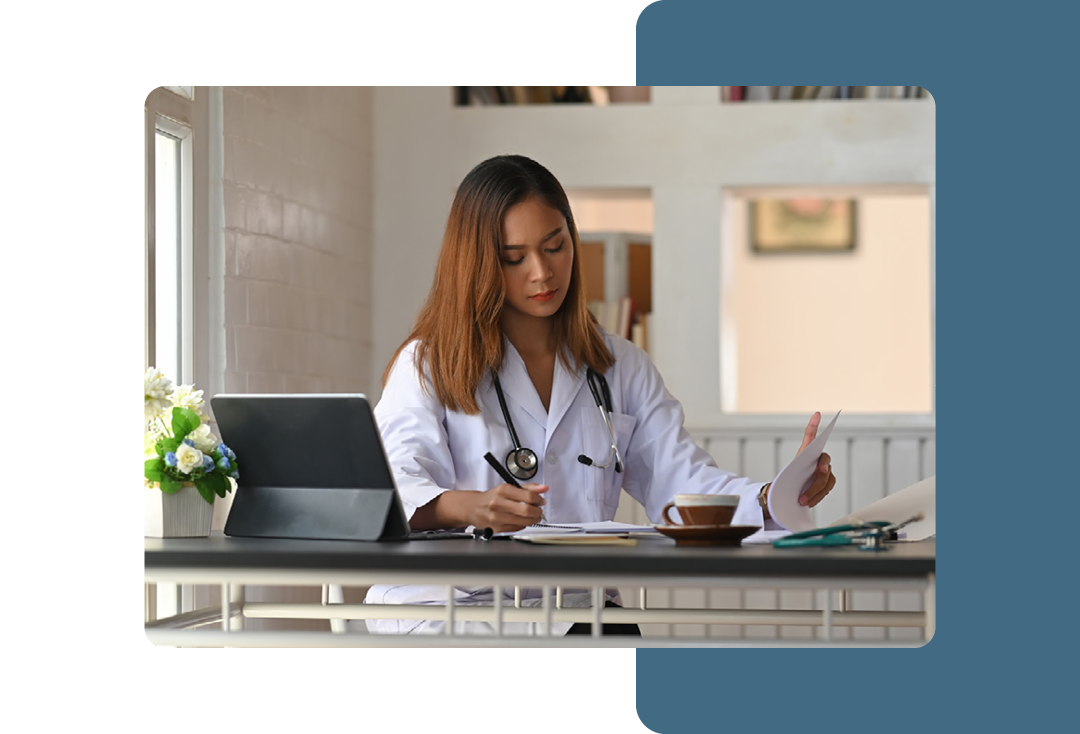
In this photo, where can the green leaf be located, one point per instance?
(170, 485)
(153, 469)
(218, 483)
(207, 492)
(166, 445)
(184, 421)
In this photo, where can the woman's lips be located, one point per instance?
(543, 297)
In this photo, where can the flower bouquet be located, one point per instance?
(180, 450)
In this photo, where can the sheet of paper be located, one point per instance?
(542, 530)
(766, 536)
(563, 528)
(610, 526)
(899, 506)
(578, 539)
(784, 494)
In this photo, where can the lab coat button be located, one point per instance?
(552, 458)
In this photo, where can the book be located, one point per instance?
(738, 94)
(758, 94)
(826, 92)
(784, 92)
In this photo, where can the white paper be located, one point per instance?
(610, 526)
(766, 536)
(784, 493)
(605, 527)
(899, 506)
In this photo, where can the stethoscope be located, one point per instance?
(867, 535)
(522, 463)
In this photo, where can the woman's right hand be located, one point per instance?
(506, 508)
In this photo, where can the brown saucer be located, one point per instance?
(730, 535)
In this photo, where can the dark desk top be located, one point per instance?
(650, 556)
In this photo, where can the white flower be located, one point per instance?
(186, 396)
(202, 438)
(158, 388)
(188, 459)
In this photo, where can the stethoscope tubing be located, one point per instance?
(604, 404)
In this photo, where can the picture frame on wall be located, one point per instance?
(802, 225)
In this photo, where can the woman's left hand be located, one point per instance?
(823, 480)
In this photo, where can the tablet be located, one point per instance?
(312, 466)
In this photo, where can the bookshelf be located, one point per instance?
(486, 96)
(617, 269)
(819, 93)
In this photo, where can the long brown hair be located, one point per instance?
(458, 325)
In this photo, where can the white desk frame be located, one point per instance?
(190, 629)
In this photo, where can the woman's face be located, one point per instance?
(537, 258)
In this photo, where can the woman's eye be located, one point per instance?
(556, 249)
(515, 262)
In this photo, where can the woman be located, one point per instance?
(505, 355)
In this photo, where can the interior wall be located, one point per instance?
(844, 330)
(298, 251)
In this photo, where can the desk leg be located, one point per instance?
(547, 612)
(226, 608)
(598, 605)
(827, 614)
(929, 603)
(450, 610)
(237, 597)
(498, 609)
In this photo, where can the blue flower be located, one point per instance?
(189, 442)
(225, 450)
(224, 464)
(170, 458)
(235, 473)
(207, 463)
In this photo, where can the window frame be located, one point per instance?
(193, 114)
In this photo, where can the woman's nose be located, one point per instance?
(539, 270)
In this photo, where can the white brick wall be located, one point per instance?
(298, 237)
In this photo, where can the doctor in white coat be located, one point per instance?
(507, 314)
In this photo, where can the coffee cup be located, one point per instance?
(702, 509)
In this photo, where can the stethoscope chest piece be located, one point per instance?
(522, 463)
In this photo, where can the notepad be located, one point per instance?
(605, 527)
(577, 539)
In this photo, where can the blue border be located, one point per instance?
(1004, 82)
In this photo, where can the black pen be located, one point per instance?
(501, 471)
(507, 477)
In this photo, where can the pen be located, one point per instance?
(507, 477)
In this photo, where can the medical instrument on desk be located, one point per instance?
(522, 462)
(867, 535)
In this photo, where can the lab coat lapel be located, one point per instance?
(564, 390)
(517, 385)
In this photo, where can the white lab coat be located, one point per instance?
(432, 450)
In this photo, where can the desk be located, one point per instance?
(653, 562)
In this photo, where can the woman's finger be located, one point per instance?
(810, 433)
(818, 492)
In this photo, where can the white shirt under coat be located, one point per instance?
(432, 450)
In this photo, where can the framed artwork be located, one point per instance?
(802, 225)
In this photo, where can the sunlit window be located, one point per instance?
(167, 262)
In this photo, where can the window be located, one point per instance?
(169, 248)
(171, 217)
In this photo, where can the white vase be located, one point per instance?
(184, 514)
